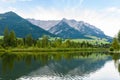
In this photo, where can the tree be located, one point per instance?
(1, 43)
(39, 43)
(68, 43)
(58, 42)
(12, 39)
(115, 44)
(29, 40)
(44, 41)
(118, 36)
(6, 38)
(20, 42)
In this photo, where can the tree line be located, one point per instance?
(11, 41)
(116, 43)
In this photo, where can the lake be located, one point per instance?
(59, 66)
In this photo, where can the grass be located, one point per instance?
(1, 37)
(94, 40)
(56, 50)
(98, 41)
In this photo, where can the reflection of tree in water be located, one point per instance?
(19, 64)
(8, 61)
(116, 58)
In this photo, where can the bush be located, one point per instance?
(111, 49)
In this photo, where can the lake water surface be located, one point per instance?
(59, 66)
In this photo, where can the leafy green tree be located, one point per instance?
(20, 43)
(58, 42)
(39, 43)
(45, 41)
(6, 37)
(119, 36)
(68, 43)
(115, 44)
(29, 40)
(12, 39)
(1, 43)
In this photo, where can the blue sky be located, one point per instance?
(104, 14)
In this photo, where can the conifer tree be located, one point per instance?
(115, 44)
(29, 40)
(119, 36)
(6, 37)
(12, 39)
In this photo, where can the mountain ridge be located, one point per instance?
(21, 26)
(84, 28)
(63, 30)
(45, 24)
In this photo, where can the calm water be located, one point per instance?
(59, 66)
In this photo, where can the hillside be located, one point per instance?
(45, 24)
(62, 29)
(21, 26)
(77, 30)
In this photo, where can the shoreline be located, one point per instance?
(56, 50)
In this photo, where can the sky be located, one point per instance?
(104, 14)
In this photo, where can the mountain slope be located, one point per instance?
(62, 29)
(44, 24)
(85, 28)
(21, 26)
(79, 29)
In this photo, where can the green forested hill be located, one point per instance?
(21, 26)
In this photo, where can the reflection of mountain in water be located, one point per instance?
(13, 66)
(77, 66)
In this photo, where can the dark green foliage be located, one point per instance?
(68, 43)
(115, 44)
(45, 41)
(39, 43)
(12, 39)
(1, 43)
(20, 42)
(6, 38)
(58, 42)
(29, 40)
(111, 49)
(119, 36)
(9, 39)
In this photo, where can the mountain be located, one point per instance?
(71, 28)
(85, 28)
(62, 29)
(21, 26)
(44, 24)
(74, 29)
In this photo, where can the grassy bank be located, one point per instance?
(56, 50)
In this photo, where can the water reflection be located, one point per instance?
(116, 58)
(16, 65)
